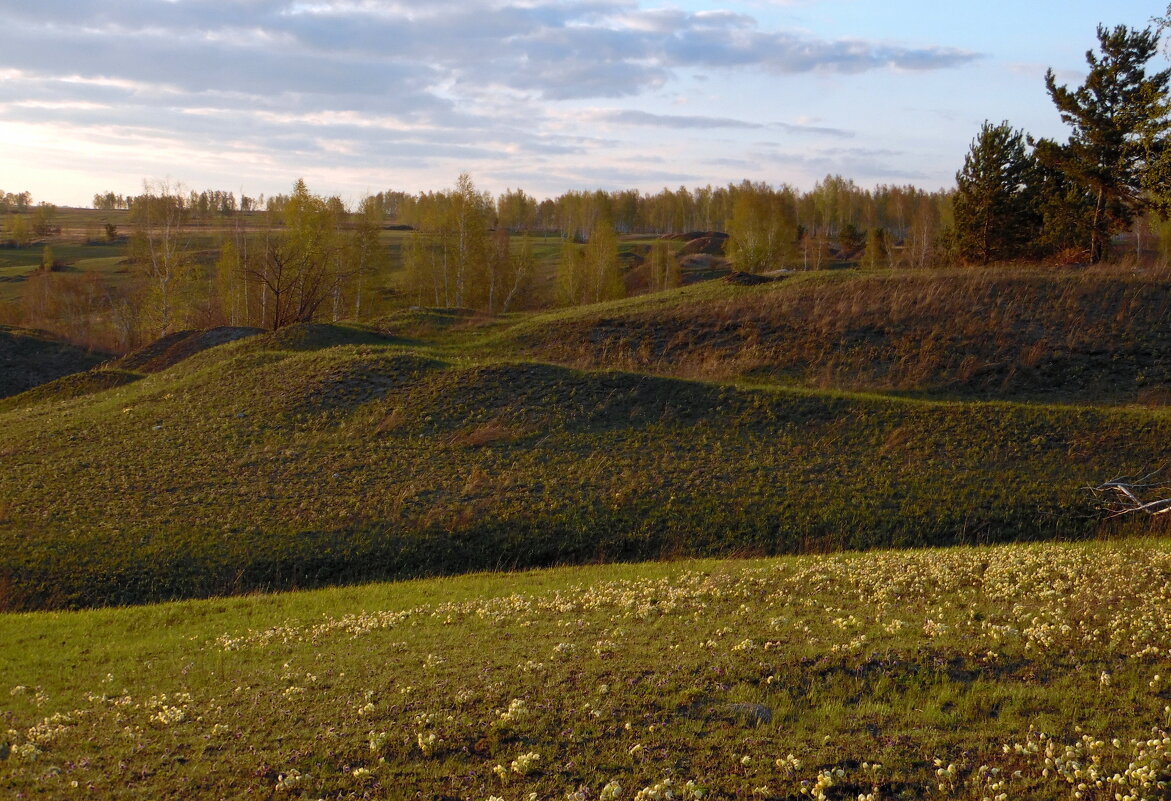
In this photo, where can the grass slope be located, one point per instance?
(1087, 336)
(29, 358)
(329, 454)
(1014, 672)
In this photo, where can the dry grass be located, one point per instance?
(489, 433)
(1095, 335)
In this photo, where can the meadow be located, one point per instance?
(1022, 671)
(333, 454)
(158, 510)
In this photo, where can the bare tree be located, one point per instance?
(300, 265)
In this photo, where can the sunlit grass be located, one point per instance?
(1014, 672)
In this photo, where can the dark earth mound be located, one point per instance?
(174, 348)
(30, 358)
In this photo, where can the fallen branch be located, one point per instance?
(1124, 495)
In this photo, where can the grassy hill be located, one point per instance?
(30, 358)
(1014, 672)
(1015, 333)
(824, 412)
(327, 454)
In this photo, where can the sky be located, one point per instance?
(362, 96)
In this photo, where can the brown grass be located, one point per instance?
(489, 433)
(996, 332)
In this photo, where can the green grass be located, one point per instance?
(711, 421)
(329, 454)
(964, 673)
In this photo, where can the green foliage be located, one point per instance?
(604, 279)
(762, 229)
(367, 256)
(663, 267)
(995, 204)
(42, 222)
(572, 276)
(451, 246)
(456, 260)
(19, 231)
(161, 256)
(299, 271)
(1120, 122)
(516, 211)
(877, 253)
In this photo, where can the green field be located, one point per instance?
(1012, 672)
(327, 454)
(699, 422)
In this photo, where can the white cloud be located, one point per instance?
(458, 84)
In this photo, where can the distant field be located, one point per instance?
(1016, 672)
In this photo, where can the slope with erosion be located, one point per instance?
(331, 454)
(1093, 336)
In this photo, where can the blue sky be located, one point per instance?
(359, 96)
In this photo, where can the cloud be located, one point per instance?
(1036, 70)
(396, 52)
(635, 117)
(700, 122)
(392, 82)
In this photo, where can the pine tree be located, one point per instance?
(995, 204)
(850, 238)
(1120, 125)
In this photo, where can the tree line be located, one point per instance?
(203, 205)
(300, 256)
(15, 201)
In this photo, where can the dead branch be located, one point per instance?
(1125, 495)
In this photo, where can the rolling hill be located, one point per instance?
(437, 442)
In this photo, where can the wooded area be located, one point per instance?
(198, 259)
